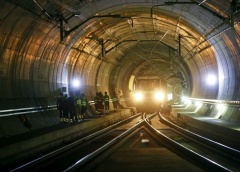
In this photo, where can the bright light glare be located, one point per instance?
(184, 99)
(221, 77)
(138, 96)
(188, 102)
(220, 107)
(169, 96)
(198, 104)
(76, 83)
(159, 96)
(211, 79)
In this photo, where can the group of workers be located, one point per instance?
(102, 102)
(73, 108)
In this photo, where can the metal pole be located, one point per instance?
(61, 27)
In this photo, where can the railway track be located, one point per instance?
(60, 159)
(139, 143)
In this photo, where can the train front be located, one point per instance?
(149, 94)
(148, 101)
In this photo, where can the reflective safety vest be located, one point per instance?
(114, 99)
(106, 98)
(83, 102)
(78, 102)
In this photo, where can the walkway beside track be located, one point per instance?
(222, 131)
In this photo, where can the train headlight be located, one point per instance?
(138, 96)
(159, 96)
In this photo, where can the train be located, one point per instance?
(149, 94)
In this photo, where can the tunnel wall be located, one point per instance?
(18, 124)
(227, 49)
(28, 54)
(35, 63)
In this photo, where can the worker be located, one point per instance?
(77, 107)
(71, 107)
(115, 101)
(100, 102)
(96, 103)
(60, 106)
(106, 103)
(65, 109)
(84, 105)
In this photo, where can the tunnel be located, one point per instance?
(46, 46)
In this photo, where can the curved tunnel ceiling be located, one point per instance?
(44, 44)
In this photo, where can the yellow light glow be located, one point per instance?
(159, 96)
(138, 96)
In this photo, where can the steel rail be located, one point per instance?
(20, 111)
(233, 152)
(97, 152)
(200, 158)
(29, 110)
(70, 146)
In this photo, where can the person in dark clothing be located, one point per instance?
(84, 105)
(100, 103)
(96, 102)
(71, 107)
(78, 108)
(65, 108)
(106, 103)
(115, 101)
(60, 105)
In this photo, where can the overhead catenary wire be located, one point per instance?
(43, 10)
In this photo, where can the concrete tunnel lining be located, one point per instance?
(81, 63)
(36, 63)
